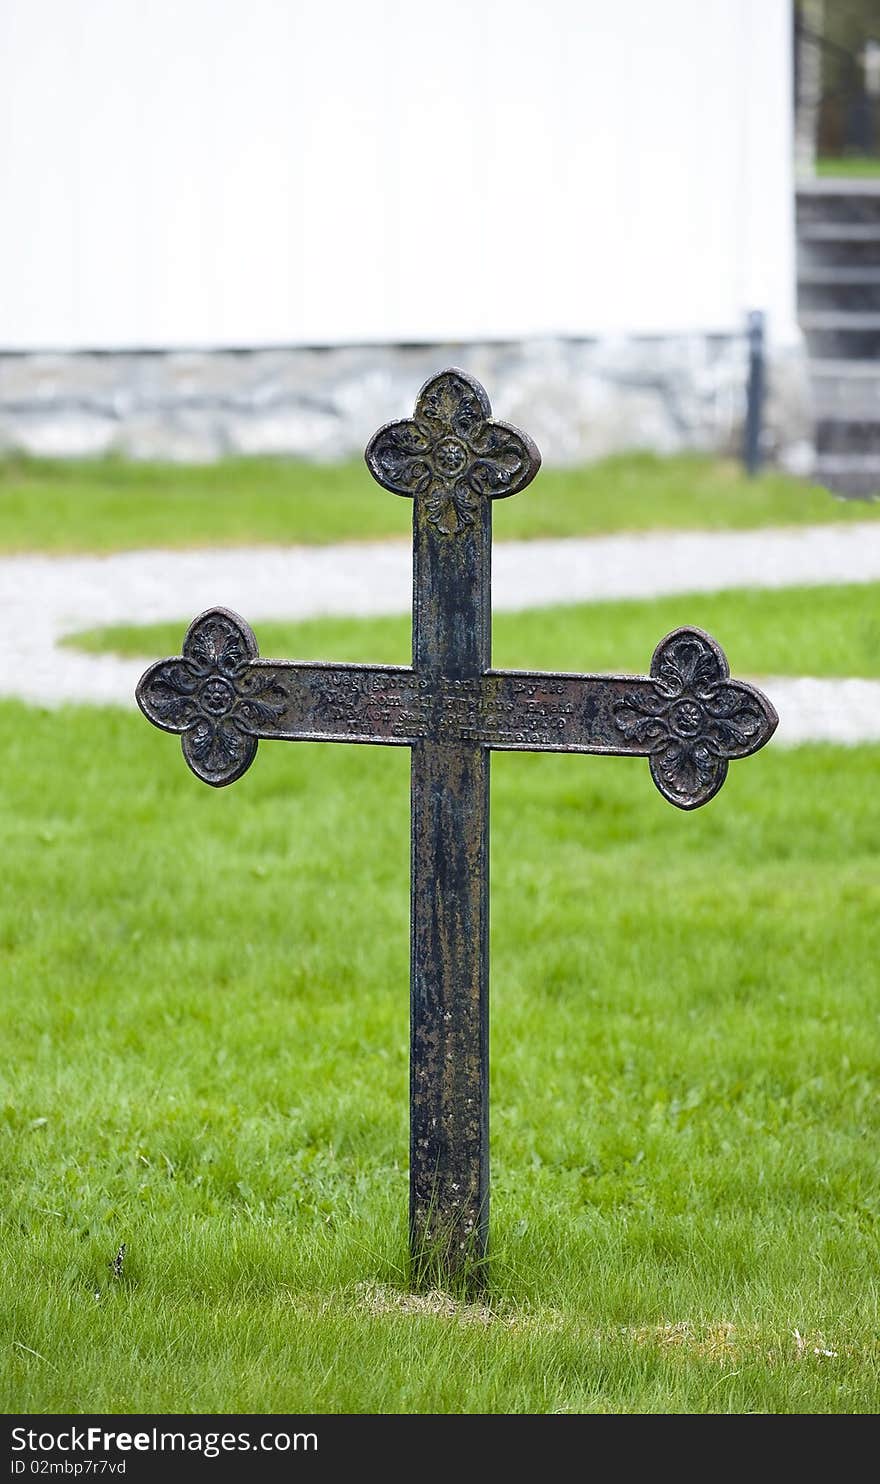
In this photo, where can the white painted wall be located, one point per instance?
(246, 172)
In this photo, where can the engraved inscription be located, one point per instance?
(519, 713)
(376, 703)
(388, 705)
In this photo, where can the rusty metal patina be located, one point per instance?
(687, 717)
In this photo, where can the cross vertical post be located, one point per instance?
(453, 459)
(449, 922)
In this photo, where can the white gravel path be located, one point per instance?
(44, 598)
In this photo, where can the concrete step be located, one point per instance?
(848, 390)
(842, 335)
(838, 227)
(834, 231)
(837, 252)
(859, 292)
(839, 185)
(839, 201)
(838, 319)
(848, 435)
(848, 474)
(833, 243)
(859, 275)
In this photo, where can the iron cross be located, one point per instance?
(451, 709)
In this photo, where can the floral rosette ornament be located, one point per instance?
(695, 719)
(452, 453)
(213, 695)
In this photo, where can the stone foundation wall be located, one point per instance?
(579, 399)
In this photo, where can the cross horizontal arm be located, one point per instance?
(220, 697)
(689, 725)
(687, 716)
(291, 700)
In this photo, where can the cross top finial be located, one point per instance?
(452, 453)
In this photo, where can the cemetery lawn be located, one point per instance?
(205, 1037)
(849, 167)
(826, 630)
(110, 505)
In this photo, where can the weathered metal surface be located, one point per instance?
(451, 708)
(687, 716)
(451, 456)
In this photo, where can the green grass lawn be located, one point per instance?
(109, 505)
(205, 1007)
(793, 631)
(849, 167)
